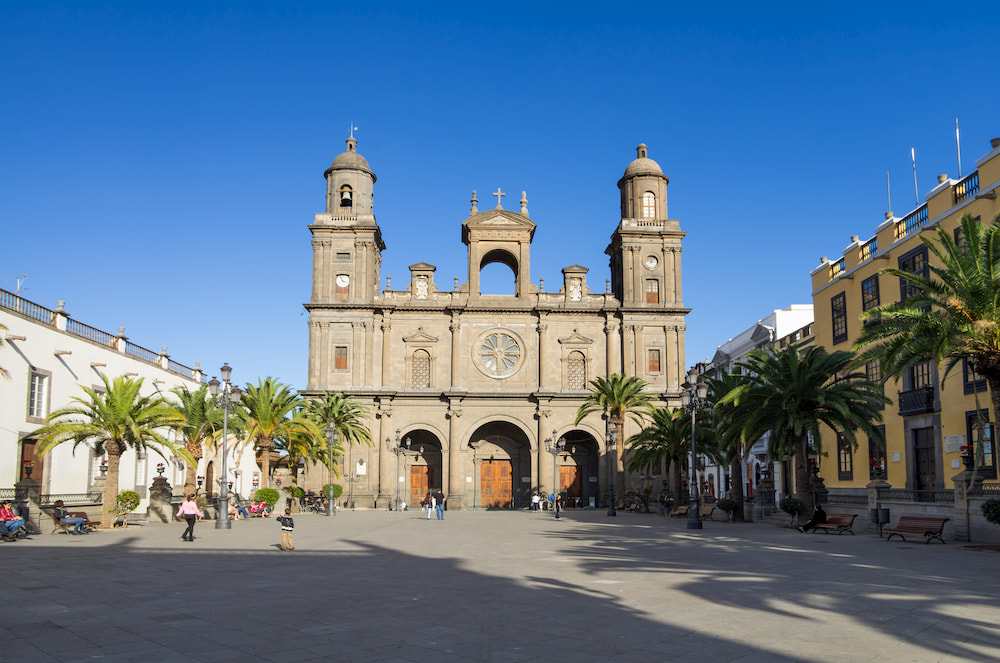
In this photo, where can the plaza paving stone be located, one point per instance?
(495, 586)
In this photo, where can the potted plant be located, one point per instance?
(991, 511)
(727, 505)
(126, 503)
(793, 507)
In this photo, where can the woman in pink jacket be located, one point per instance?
(190, 512)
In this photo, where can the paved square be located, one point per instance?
(495, 586)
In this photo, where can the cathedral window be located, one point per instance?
(653, 360)
(652, 291)
(576, 377)
(421, 370)
(340, 358)
(649, 205)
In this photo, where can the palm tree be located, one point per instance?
(789, 395)
(271, 414)
(668, 438)
(953, 313)
(113, 421)
(346, 415)
(201, 424)
(617, 396)
(728, 434)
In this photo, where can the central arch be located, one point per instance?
(502, 459)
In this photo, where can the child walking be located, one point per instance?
(287, 527)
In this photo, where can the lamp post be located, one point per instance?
(332, 434)
(227, 399)
(555, 447)
(612, 439)
(693, 399)
(399, 450)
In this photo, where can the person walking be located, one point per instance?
(430, 505)
(287, 527)
(190, 512)
(439, 500)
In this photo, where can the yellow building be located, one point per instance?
(931, 416)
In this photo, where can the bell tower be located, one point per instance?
(347, 242)
(645, 249)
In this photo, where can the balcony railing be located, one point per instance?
(869, 249)
(904, 495)
(838, 268)
(967, 187)
(77, 328)
(912, 221)
(916, 401)
(141, 352)
(12, 302)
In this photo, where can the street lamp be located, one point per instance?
(227, 400)
(693, 399)
(332, 434)
(612, 439)
(398, 449)
(555, 447)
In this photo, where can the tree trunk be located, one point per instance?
(675, 480)
(109, 507)
(190, 476)
(619, 467)
(265, 446)
(803, 489)
(736, 487)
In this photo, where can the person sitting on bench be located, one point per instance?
(819, 516)
(66, 519)
(11, 520)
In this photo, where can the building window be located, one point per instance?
(343, 256)
(920, 375)
(914, 262)
(838, 304)
(576, 377)
(340, 358)
(869, 296)
(652, 291)
(38, 394)
(873, 372)
(653, 356)
(421, 376)
(979, 427)
(876, 457)
(973, 381)
(845, 459)
(649, 205)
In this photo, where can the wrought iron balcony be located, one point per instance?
(916, 401)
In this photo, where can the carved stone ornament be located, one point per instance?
(575, 289)
(420, 288)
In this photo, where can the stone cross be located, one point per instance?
(499, 194)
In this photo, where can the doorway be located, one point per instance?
(924, 466)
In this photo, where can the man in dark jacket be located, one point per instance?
(439, 500)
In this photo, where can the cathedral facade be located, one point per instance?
(465, 389)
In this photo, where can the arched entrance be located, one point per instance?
(210, 480)
(424, 467)
(502, 458)
(578, 469)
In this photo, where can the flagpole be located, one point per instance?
(958, 147)
(916, 193)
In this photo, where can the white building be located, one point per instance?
(47, 356)
(778, 329)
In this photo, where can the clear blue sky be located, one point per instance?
(160, 161)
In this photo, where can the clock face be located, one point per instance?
(650, 262)
(343, 280)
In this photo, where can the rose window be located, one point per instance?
(499, 354)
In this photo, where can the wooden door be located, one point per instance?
(924, 465)
(421, 481)
(571, 482)
(28, 453)
(496, 484)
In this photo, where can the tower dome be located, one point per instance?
(349, 183)
(642, 165)
(349, 159)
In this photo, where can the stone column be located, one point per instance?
(610, 331)
(541, 460)
(160, 509)
(324, 354)
(456, 476)
(634, 262)
(368, 331)
(456, 328)
(675, 269)
(543, 338)
(386, 338)
(387, 477)
(317, 257)
(28, 493)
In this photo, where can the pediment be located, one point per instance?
(575, 269)
(720, 358)
(576, 339)
(422, 267)
(420, 336)
(499, 217)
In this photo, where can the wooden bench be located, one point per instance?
(60, 527)
(705, 512)
(930, 528)
(679, 512)
(837, 522)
